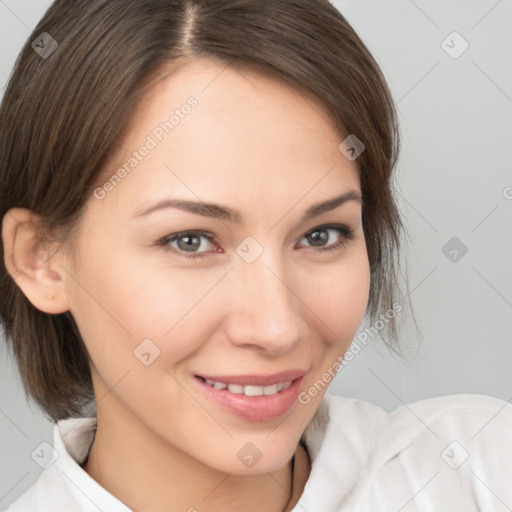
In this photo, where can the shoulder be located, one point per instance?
(64, 486)
(447, 431)
(458, 445)
(47, 493)
(432, 407)
(472, 418)
(443, 453)
(469, 419)
(465, 415)
(472, 403)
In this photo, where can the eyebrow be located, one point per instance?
(217, 211)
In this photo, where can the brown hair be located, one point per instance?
(62, 115)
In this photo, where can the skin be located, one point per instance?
(254, 144)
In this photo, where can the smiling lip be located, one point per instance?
(254, 408)
(256, 380)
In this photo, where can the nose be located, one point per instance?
(264, 311)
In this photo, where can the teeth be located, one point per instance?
(235, 388)
(250, 390)
(270, 390)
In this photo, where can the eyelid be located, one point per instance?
(346, 233)
(193, 232)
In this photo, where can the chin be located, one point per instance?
(253, 457)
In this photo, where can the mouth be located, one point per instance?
(255, 398)
(248, 390)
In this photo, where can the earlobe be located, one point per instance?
(32, 262)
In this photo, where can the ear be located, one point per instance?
(33, 263)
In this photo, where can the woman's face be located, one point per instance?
(164, 295)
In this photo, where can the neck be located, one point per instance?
(153, 475)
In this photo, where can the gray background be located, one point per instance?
(455, 180)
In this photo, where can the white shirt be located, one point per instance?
(451, 453)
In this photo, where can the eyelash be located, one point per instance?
(346, 232)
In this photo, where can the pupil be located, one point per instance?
(188, 245)
(318, 236)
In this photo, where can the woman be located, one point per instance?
(197, 213)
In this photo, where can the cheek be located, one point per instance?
(340, 299)
(120, 302)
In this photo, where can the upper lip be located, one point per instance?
(256, 380)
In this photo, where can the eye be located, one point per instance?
(189, 243)
(320, 236)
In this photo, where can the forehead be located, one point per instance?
(216, 133)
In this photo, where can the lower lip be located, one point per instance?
(253, 408)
